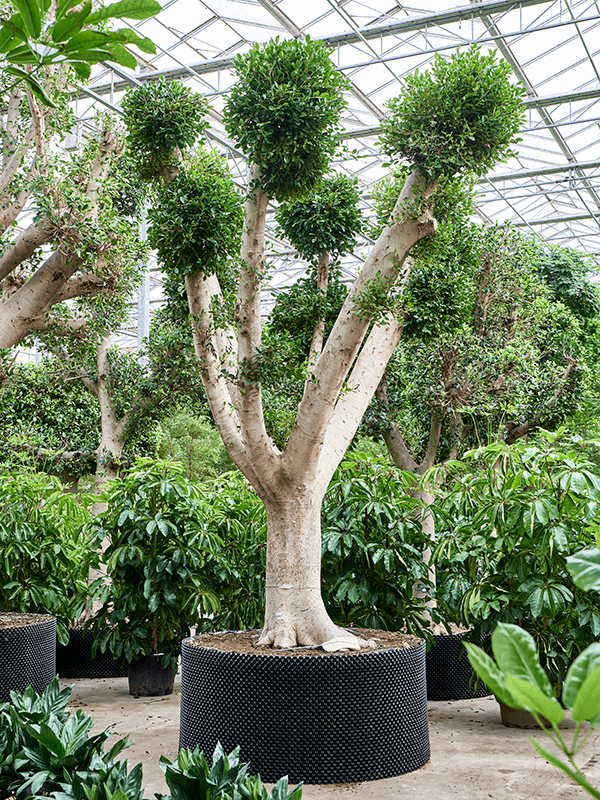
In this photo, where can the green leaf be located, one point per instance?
(36, 88)
(9, 31)
(516, 654)
(145, 45)
(67, 26)
(122, 56)
(532, 698)
(489, 673)
(584, 568)
(31, 12)
(587, 701)
(127, 9)
(585, 663)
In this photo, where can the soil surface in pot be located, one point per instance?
(15, 619)
(245, 642)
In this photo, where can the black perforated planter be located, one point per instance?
(449, 671)
(27, 653)
(346, 718)
(74, 660)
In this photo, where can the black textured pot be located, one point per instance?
(449, 671)
(75, 659)
(340, 719)
(27, 653)
(148, 679)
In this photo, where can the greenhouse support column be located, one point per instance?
(143, 303)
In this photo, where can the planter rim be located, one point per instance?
(339, 655)
(45, 619)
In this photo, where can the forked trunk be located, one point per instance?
(294, 610)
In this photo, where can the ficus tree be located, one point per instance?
(76, 244)
(283, 113)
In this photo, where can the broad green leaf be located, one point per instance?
(68, 25)
(145, 45)
(585, 663)
(532, 698)
(122, 56)
(127, 9)
(587, 701)
(489, 673)
(64, 7)
(31, 12)
(516, 654)
(11, 33)
(36, 88)
(584, 568)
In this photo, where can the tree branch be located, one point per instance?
(9, 214)
(12, 164)
(352, 404)
(514, 431)
(24, 247)
(316, 345)
(215, 384)
(381, 270)
(249, 326)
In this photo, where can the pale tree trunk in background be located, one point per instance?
(292, 483)
(403, 459)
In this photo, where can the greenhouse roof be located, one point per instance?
(552, 188)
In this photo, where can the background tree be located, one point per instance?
(46, 423)
(76, 245)
(283, 113)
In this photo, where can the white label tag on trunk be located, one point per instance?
(341, 643)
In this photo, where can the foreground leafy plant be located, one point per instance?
(518, 680)
(191, 777)
(42, 746)
(155, 561)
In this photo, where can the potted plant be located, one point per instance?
(283, 113)
(514, 514)
(44, 554)
(155, 564)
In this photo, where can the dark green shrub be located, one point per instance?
(373, 547)
(44, 554)
(157, 563)
(44, 749)
(505, 530)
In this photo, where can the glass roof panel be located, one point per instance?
(552, 188)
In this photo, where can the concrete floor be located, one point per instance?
(473, 756)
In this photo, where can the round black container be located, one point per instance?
(75, 659)
(148, 679)
(27, 656)
(449, 671)
(337, 719)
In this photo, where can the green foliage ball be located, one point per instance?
(283, 113)
(462, 115)
(327, 220)
(297, 310)
(161, 116)
(197, 221)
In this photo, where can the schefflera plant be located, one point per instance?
(283, 113)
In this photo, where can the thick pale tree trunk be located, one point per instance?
(294, 609)
(404, 460)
